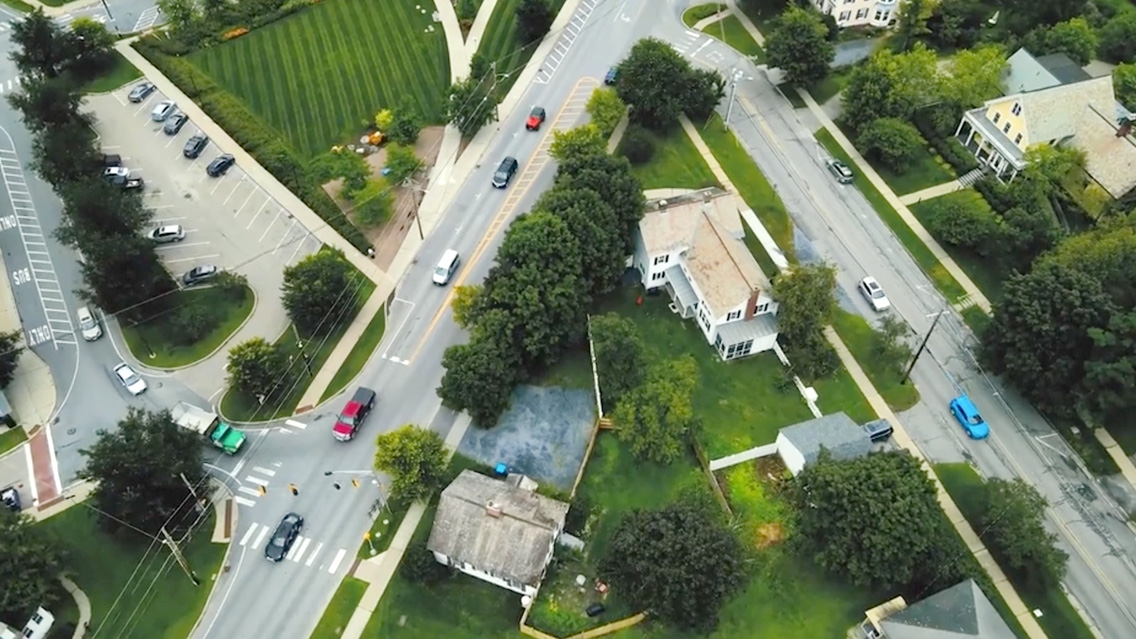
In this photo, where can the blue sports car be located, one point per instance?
(967, 415)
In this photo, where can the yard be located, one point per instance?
(319, 77)
(155, 342)
(731, 31)
(675, 163)
(858, 336)
(501, 43)
(987, 275)
(364, 348)
(162, 603)
(340, 609)
(926, 170)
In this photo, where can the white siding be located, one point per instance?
(793, 458)
(860, 13)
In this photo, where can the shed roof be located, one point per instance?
(959, 612)
(514, 545)
(837, 433)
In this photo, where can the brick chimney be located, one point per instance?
(751, 304)
(493, 509)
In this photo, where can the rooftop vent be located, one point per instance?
(493, 509)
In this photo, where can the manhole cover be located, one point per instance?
(70, 431)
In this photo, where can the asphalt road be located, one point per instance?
(836, 223)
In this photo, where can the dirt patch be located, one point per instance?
(769, 534)
(387, 237)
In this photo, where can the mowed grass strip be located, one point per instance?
(502, 45)
(318, 77)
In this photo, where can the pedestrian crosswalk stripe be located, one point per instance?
(299, 548)
(335, 562)
(249, 491)
(248, 534)
(295, 424)
(260, 537)
(315, 553)
(264, 471)
(257, 480)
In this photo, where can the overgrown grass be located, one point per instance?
(976, 319)
(751, 184)
(358, 357)
(675, 164)
(1059, 618)
(153, 342)
(691, 16)
(320, 76)
(574, 370)
(102, 565)
(339, 610)
(839, 393)
(731, 31)
(986, 273)
(119, 73)
(858, 336)
(502, 45)
(11, 438)
(915, 246)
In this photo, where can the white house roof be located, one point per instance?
(959, 612)
(496, 527)
(836, 433)
(1054, 113)
(669, 224)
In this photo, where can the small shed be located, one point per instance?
(800, 444)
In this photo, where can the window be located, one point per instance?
(1017, 110)
(761, 308)
(1018, 139)
(997, 116)
(658, 276)
(733, 315)
(1006, 129)
(37, 618)
(844, 16)
(861, 14)
(882, 16)
(849, 1)
(662, 259)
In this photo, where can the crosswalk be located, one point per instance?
(254, 485)
(291, 426)
(305, 551)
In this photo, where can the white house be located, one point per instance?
(691, 247)
(800, 444)
(36, 628)
(860, 13)
(500, 531)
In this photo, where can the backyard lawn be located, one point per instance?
(675, 164)
(731, 31)
(839, 393)
(915, 246)
(357, 359)
(501, 43)
(339, 610)
(857, 335)
(102, 565)
(152, 340)
(320, 76)
(987, 275)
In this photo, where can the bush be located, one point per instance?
(891, 141)
(967, 223)
(373, 203)
(191, 323)
(402, 162)
(995, 193)
(420, 566)
(931, 125)
(578, 512)
(638, 147)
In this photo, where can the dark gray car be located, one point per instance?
(195, 145)
(199, 274)
(284, 537)
(141, 91)
(175, 123)
(504, 172)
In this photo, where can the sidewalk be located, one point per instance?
(746, 22)
(82, 602)
(974, 293)
(346, 345)
(931, 192)
(455, 46)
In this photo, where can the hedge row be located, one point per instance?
(950, 148)
(266, 146)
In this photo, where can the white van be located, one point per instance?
(88, 325)
(446, 267)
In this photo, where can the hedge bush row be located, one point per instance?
(953, 151)
(261, 142)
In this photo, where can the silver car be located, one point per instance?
(166, 234)
(163, 110)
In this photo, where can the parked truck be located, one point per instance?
(209, 426)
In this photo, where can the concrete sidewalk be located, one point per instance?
(931, 192)
(82, 602)
(323, 378)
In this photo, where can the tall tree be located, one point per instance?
(680, 562)
(481, 374)
(1124, 83)
(1013, 526)
(415, 458)
(471, 104)
(46, 102)
(912, 23)
(659, 85)
(586, 139)
(1110, 373)
(975, 75)
(1118, 38)
(893, 142)
(799, 46)
(120, 272)
(620, 360)
(596, 227)
(90, 48)
(93, 206)
(255, 367)
(606, 110)
(613, 179)
(66, 153)
(140, 470)
(41, 47)
(534, 17)
(10, 350)
(657, 417)
(319, 290)
(894, 85)
(805, 294)
(1075, 38)
(31, 563)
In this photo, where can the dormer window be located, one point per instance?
(997, 116)
(1017, 110)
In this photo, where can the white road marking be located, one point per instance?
(248, 534)
(244, 502)
(295, 424)
(315, 553)
(238, 467)
(257, 480)
(335, 562)
(298, 551)
(264, 471)
(249, 491)
(260, 538)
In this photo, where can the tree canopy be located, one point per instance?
(31, 562)
(415, 458)
(799, 45)
(659, 85)
(319, 290)
(255, 368)
(10, 350)
(657, 417)
(1013, 515)
(620, 360)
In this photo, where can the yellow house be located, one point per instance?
(1050, 100)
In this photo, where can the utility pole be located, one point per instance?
(419, 194)
(180, 557)
(735, 75)
(922, 346)
(192, 491)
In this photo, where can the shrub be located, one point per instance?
(638, 147)
(995, 193)
(193, 322)
(968, 223)
(931, 123)
(373, 203)
(420, 566)
(402, 162)
(891, 141)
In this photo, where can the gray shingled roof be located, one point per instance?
(959, 612)
(1063, 68)
(513, 546)
(836, 432)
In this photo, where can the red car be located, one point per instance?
(536, 118)
(354, 414)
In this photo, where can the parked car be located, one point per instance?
(610, 76)
(11, 499)
(129, 379)
(220, 165)
(199, 274)
(175, 123)
(126, 183)
(536, 118)
(285, 535)
(195, 145)
(141, 91)
(968, 417)
(110, 159)
(354, 414)
(163, 110)
(116, 171)
(168, 233)
(840, 171)
(504, 172)
(88, 326)
(874, 293)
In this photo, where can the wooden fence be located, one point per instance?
(605, 629)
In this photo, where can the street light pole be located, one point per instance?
(735, 75)
(922, 347)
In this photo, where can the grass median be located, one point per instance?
(119, 73)
(159, 341)
(11, 438)
(731, 31)
(357, 359)
(858, 336)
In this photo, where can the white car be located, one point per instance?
(88, 325)
(130, 380)
(116, 172)
(874, 293)
(163, 110)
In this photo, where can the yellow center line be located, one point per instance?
(577, 99)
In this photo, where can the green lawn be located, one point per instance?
(19, 5)
(364, 348)
(986, 274)
(319, 77)
(675, 164)
(11, 438)
(384, 526)
(790, 92)
(857, 335)
(976, 319)
(120, 72)
(926, 170)
(691, 16)
(150, 341)
(757, 249)
(739, 402)
(762, 13)
(1059, 618)
(731, 31)
(915, 246)
(237, 407)
(501, 43)
(839, 393)
(338, 612)
(751, 184)
(102, 565)
(574, 370)
(831, 85)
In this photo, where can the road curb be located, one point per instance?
(219, 487)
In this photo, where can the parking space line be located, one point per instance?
(285, 236)
(240, 183)
(299, 245)
(192, 259)
(262, 205)
(242, 206)
(219, 183)
(269, 227)
(180, 245)
(253, 220)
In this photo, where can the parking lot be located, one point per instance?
(229, 221)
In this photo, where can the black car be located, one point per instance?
(110, 160)
(505, 172)
(124, 182)
(284, 537)
(199, 274)
(175, 123)
(11, 499)
(141, 91)
(195, 145)
(220, 165)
